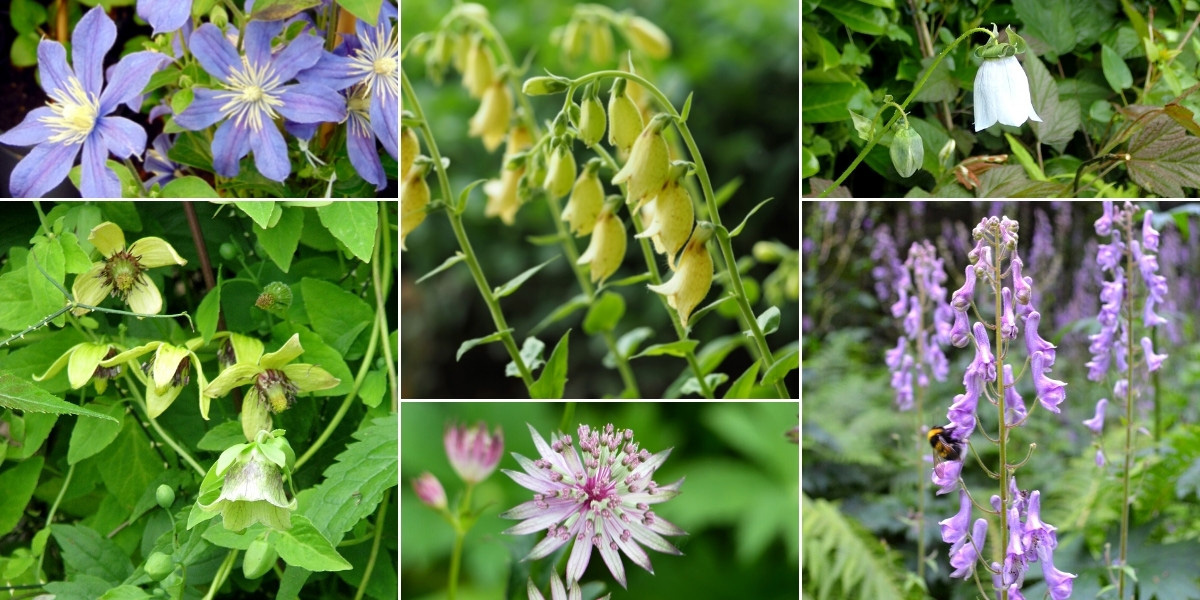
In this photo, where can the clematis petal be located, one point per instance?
(155, 252)
(236, 375)
(32, 131)
(230, 144)
(131, 354)
(41, 170)
(302, 53)
(158, 402)
(311, 103)
(59, 363)
(290, 350)
(330, 70)
(108, 238)
(166, 363)
(123, 137)
(270, 153)
(310, 378)
(145, 299)
(52, 64)
(93, 37)
(129, 77)
(165, 15)
(90, 288)
(83, 363)
(204, 110)
(215, 53)
(97, 179)
(246, 349)
(384, 111)
(257, 41)
(364, 156)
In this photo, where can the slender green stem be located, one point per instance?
(62, 492)
(1129, 425)
(162, 433)
(917, 88)
(460, 534)
(222, 574)
(1000, 400)
(380, 517)
(382, 283)
(460, 234)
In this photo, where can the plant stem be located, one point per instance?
(380, 518)
(382, 284)
(460, 533)
(221, 575)
(1002, 439)
(162, 433)
(1125, 477)
(917, 88)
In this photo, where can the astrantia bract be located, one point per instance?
(602, 499)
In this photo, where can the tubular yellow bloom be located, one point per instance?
(409, 148)
(648, 165)
(624, 118)
(693, 277)
(414, 197)
(561, 173)
(480, 71)
(491, 120)
(572, 40)
(587, 198)
(601, 50)
(122, 272)
(646, 37)
(671, 222)
(502, 199)
(607, 247)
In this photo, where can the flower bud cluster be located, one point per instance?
(919, 286)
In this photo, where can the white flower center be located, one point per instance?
(75, 114)
(377, 63)
(253, 95)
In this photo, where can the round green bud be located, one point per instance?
(908, 152)
(228, 251)
(218, 16)
(541, 86)
(276, 295)
(158, 566)
(165, 496)
(259, 558)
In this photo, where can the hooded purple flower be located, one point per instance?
(255, 94)
(78, 117)
(1096, 423)
(954, 529)
(601, 500)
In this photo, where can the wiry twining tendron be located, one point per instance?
(75, 113)
(253, 96)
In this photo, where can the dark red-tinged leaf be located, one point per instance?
(1164, 158)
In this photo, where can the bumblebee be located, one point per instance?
(944, 444)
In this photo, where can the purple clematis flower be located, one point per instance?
(78, 117)
(255, 94)
(156, 162)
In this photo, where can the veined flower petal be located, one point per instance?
(129, 78)
(234, 376)
(166, 363)
(311, 103)
(32, 130)
(165, 15)
(204, 110)
(257, 40)
(93, 37)
(108, 238)
(97, 180)
(145, 299)
(158, 402)
(230, 144)
(289, 351)
(155, 252)
(83, 362)
(270, 153)
(310, 378)
(215, 53)
(302, 53)
(122, 137)
(59, 363)
(52, 65)
(44, 167)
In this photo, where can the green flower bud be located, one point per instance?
(259, 559)
(165, 496)
(561, 173)
(158, 566)
(908, 152)
(541, 86)
(624, 118)
(217, 16)
(591, 120)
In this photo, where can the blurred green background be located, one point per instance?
(739, 57)
(740, 500)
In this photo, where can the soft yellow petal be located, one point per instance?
(107, 238)
(131, 354)
(83, 363)
(59, 363)
(166, 362)
(145, 299)
(154, 252)
(234, 376)
(246, 349)
(310, 377)
(284, 355)
(156, 403)
(90, 288)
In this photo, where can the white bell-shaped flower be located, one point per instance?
(1002, 94)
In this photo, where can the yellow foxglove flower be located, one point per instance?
(693, 275)
(624, 118)
(671, 222)
(409, 148)
(591, 119)
(587, 198)
(480, 69)
(491, 120)
(648, 165)
(502, 198)
(572, 39)
(606, 250)
(414, 197)
(601, 51)
(646, 37)
(561, 174)
(122, 270)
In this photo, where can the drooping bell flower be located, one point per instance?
(587, 198)
(693, 275)
(1001, 87)
(672, 216)
(245, 485)
(606, 249)
(648, 165)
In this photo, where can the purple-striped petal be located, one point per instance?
(52, 61)
(311, 103)
(123, 137)
(204, 110)
(230, 144)
(93, 37)
(330, 70)
(270, 153)
(43, 168)
(97, 180)
(130, 77)
(302, 53)
(257, 41)
(363, 154)
(31, 131)
(165, 15)
(214, 52)
(384, 114)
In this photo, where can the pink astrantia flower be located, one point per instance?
(430, 491)
(602, 500)
(473, 452)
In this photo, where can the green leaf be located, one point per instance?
(304, 546)
(628, 343)
(365, 10)
(1184, 116)
(85, 551)
(531, 356)
(201, 8)
(26, 15)
(828, 102)
(745, 219)
(181, 100)
(18, 483)
(23, 51)
(191, 149)
(282, 239)
(687, 107)
(125, 592)
(857, 16)
(258, 210)
(631, 280)
(354, 224)
(714, 352)
(1049, 21)
(335, 314)
(75, 259)
(554, 377)
(165, 77)
(809, 164)
(714, 305)
(107, 4)
(604, 314)
(768, 321)
(373, 387)
(222, 436)
(1022, 155)
(1116, 72)
(1060, 117)
(563, 311)
(514, 284)
(549, 239)
(19, 394)
(941, 85)
(208, 314)
(278, 10)
(446, 264)
(725, 192)
(744, 384)
(188, 186)
(679, 348)
(1165, 159)
(128, 465)
(90, 436)
(487, 339)
(355, 482)
(692, 385)
(782, 366)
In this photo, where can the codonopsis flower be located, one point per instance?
(255, 94)
(601, 500)
(1002, 94)
(245, 485)
(473, 452)
(77, 119)
(122, 270)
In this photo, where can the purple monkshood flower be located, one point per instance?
(888, 269)
(961, 299)
(1153, 361)
(954, 529)
(473, 452)
(1034, 341)
(1014, 405)
(79, 117)
(255, 94)
(946, 474)
(602, 500)
(964, 554)
(1096, 423)
(1050, 392)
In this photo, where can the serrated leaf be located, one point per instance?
(679, 348)
(487, 339)
(129, 464)
(446, 264)
(514, 284)
(354, 224)
(553, 381)
(304, 546)
(355, 482)
(738, 229)
(18, 394)
(85, 551)
(604, 313)
(1164, 158)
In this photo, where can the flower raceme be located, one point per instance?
(122, 272)
(599, 500)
